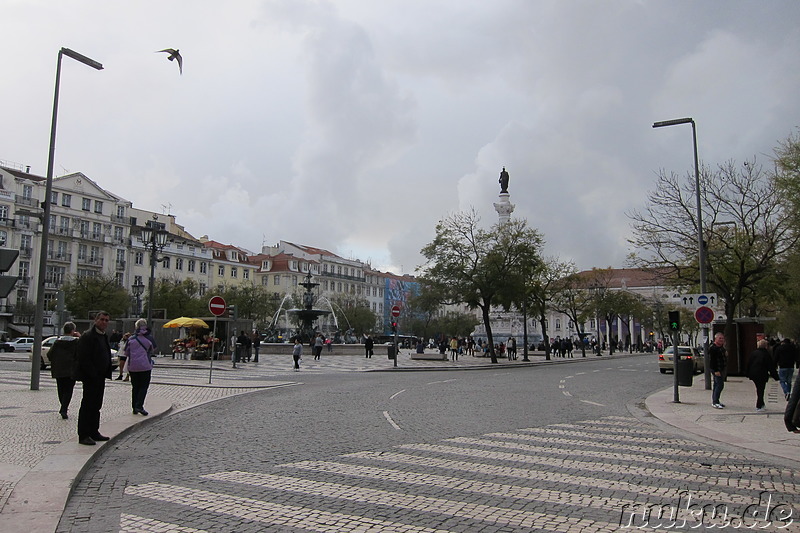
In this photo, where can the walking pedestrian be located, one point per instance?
(256, 345)
(139, 349)
(369, 344)
(63, 361)
(786, 357)
(94, 367)
(123, 358)
(319, 343)
(297, 353)
(718, 362)
(791, 416)
(760, 367)
(454, 349)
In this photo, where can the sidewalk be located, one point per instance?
(738, 424)
(40, 458)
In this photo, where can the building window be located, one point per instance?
(137, 280)
(294, 280)
(54, 197)
(3, 237)
(339, 288)
(339, 270)
(138, 258)
(4, 212)
(221, 270)
(27, 192)
(84, 229)
(82, 251)
(121, 211)
(325, 285)
(203, 289)
(190, 265)
(234, 272)
(178, 263)
(98, 207)
(66, 200)
(166, 263)
(94, 254)
(86, 204)
(277, 280)
(118, 234)
(97, 230)
(558, 324)
(203, 267)
(245, 273)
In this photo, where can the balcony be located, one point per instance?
(120, 265)
(10, 222)
(6, 309)
(99, 237)
(32, 202)
(65, 232)
(23, 281)
(25, 251)
(120, 220)
(65, 257)
(91, 261)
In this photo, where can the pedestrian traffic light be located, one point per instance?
(394, 326)
(674, 321)
(232, 312)
(7, 258)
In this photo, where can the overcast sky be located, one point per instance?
(355, 125)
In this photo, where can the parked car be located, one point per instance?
(48, 343)
(22, 344)
(6, 347)
(665, 363)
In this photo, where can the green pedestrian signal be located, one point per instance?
(674, 321)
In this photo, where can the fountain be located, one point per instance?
(308, 315)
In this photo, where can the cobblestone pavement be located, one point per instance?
(542, 449)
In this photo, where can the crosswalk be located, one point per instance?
(609, 474)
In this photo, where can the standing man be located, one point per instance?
(369, 344)
(94, 367)
(718, 362)
(63, 359)
(256, 345)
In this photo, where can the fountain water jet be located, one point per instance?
(308, 315)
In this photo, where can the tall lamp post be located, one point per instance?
(154, 239)
(138, 289)
(700, 245)
(38, 325)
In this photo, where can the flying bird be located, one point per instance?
(173, 55)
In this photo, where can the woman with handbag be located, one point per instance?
(139, 350)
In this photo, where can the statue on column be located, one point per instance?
(503, 181)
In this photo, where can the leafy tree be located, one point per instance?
(92, 293)
(356, 313)
(471, 265)
(253, 302)
(179, 298)
(787, 285)
(745, 225)
(573, 299)
(423, 308)
(455, 324)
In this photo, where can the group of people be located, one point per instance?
(87, 358)
(777, 362)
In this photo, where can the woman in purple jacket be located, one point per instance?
(139, 349)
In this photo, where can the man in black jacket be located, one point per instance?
(718, 362)
(94, 367)
(787, 358)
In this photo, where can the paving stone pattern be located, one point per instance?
(599, 475)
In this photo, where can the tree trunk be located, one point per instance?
(545, 338)
(488, 324)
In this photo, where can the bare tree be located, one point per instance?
(746, 230)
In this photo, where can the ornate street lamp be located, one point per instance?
(154, 239)
(36, 352)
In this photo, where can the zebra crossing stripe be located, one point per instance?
(615, 437)
(415, 502)
(130, 523)
(645, 450)
(487, 488)
(285, 516)
(550, 477)
(564, 451)
(703, 478)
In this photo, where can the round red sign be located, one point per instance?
(217, 306)
(704, 315)
(395, 311)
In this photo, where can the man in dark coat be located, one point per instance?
(718, 363)
(369, 344)
(760, 367)
(94, 367)
(63, 362)
(786, 357)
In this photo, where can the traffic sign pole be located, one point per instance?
(217, 306)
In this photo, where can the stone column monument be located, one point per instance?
(504, 207)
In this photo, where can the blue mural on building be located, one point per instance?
(397, 292)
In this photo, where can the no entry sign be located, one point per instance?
(395, 311)
(217, 305)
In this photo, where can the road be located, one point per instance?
(541, 448)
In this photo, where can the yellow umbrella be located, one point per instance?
(185, 322)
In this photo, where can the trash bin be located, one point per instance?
(685, 372)
(390, 349)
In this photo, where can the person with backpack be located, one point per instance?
(139, 349)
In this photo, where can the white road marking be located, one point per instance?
(593, 403)
(398, 393)
(392, 422)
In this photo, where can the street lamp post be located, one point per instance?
(36, 356)
(700, 245)
(138, 289)
(154, 239)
